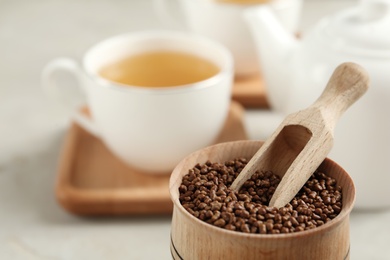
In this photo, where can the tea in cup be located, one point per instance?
(223, 21)
(159, 69)
(154, 96)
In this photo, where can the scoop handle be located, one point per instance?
(347, 84)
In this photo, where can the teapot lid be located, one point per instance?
(363, 30)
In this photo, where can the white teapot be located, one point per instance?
(296, 71)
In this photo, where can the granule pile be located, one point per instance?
(205, 194)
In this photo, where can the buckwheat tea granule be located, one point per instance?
(205, 194)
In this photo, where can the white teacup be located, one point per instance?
(223, 21)
(151, 129)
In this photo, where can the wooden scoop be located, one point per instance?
(303, 140)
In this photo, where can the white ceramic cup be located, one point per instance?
(151, 129)
(225, 23)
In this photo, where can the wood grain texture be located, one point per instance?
(192, 238)
(250, 92)
(92, 181)
(304, 139)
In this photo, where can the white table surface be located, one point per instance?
(32, 224)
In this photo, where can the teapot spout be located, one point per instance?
(275, 45)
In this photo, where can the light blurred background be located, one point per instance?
(32, 224)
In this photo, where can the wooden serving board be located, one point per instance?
(92, 181)
(250, 92)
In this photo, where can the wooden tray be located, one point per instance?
(250, 92)
(92, 181)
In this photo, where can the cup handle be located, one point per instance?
(69, 98)
(167, 14)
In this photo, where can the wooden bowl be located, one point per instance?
(192, 238)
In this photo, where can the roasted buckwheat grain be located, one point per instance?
(205, 194)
